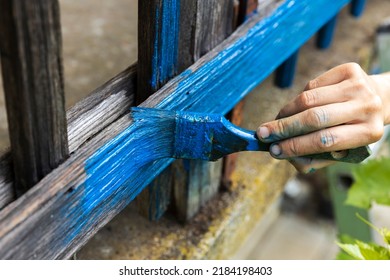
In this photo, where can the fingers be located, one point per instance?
(336, 75)
(315, 98)
(308, 121)
(336, 138)
(334, 86)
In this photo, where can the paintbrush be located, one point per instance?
(188, 135)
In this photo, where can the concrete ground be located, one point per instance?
(101, 41)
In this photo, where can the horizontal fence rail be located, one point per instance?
(59, 214)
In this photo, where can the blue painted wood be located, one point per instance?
(158, 62)
(209, 137)
(326, 33)
(103, 181)
(158, 33)
(285, 74)
(357, 7)
(204, 25)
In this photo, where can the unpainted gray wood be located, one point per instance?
(30, 43)
(87, 118)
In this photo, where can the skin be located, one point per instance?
(341, 109)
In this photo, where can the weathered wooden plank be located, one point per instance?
(246, 9)
(66, 207)
(158, 33)
(7, 193)
(158, 30)
(88, 117)
(208, 23)
(229, 162)
(31, 50)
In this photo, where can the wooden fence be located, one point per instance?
(70, 172)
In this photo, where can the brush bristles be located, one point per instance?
(158, 129)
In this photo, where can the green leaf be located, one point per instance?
(372, 184)
(352, 249)
(373, 251)
(385, 234)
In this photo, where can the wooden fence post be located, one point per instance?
(30, 44)
(203, 25)
(246, 8)
(158, 31)
(209, 22)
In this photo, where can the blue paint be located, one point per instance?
(236, 70)
(114, 165)
(165, 50)
(119, 170)
(208, 136)
(285, 74)
(326, 33)
(357, 7)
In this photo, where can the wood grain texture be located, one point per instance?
(204, 24)
(158, 35)
(70, 204)
(158, 29)
(245, 9)
(30, 38)
(88, 117)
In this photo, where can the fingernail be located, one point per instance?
(263, 132)
(276, 150)
(312, 170)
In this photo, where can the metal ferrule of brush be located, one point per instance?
(211, 137)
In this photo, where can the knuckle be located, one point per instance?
(316, 118)
(281, 129)
(376, 103)
(307, 98)
(326, 141)
(352, 69)
(312, 84)
(376, 131)
(361, 86)
(292, 148)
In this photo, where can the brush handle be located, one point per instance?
(254, 144)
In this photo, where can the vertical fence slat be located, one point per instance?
(209, 22)
(246, 8)
(326, 33)
(30, 43)
(158, 31)
(285, 73)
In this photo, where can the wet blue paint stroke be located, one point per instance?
(120, 169)
(165, 44)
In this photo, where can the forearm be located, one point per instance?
(382, 83)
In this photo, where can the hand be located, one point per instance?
(343, 108)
